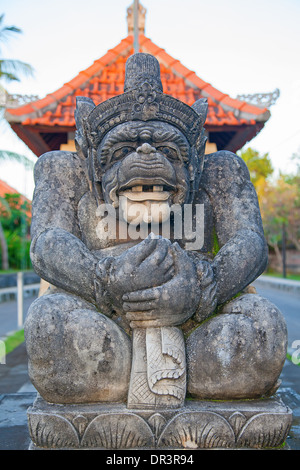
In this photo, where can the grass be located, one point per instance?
(289, 357)
(292, 277)
(12, 271)
(11, 342)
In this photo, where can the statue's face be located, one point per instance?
(144, 167)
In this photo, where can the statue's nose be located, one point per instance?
(146, 149)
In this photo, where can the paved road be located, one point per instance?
(287, 302)
(9, 315)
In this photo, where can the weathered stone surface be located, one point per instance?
(158, 373)
(77, 354)
(142, 238)
(197, 425)
(239, 353)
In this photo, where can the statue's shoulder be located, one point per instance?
(223, 170)
(58, 163)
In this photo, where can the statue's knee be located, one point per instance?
(240, 352)
(75, 353)
(45, 323)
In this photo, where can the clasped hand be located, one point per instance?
(155, 283)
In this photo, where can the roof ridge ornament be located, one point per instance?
(141, 19)
(14, 100)
(262, 100)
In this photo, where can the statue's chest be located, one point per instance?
(191, 226)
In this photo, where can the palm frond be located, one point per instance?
(7, 31)
(25, 161)
(11, 69)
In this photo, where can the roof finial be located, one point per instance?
(141, 19)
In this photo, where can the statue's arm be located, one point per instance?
(242, 256)
(58, 255)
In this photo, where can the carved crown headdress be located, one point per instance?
(143, 99)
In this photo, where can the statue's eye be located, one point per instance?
(169, 152)
(122, 152)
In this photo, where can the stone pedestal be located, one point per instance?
(197, 425)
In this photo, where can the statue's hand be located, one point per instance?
(145, 265)
(169, 304)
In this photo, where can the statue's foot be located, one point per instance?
(76, 354)
(239, 353)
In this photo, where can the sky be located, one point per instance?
(240, 47)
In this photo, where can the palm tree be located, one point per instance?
(13, 156)
(11, 69)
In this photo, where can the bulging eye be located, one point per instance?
(168, 152)
(122, 152)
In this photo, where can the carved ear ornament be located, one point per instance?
(84, 106)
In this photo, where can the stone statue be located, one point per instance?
(133, 316)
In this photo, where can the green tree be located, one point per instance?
(5, 252)
(260, 168)
(11, 69)
(279, 200)
(280, 208)
(15, 216)
(3, 242)
(6, 155)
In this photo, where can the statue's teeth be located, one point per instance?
(137, 188)
(158, 188)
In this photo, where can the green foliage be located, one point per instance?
(10, 70)
(15, 220)
(280, 207)
(259, 166)
(279, 200)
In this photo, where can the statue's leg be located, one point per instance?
(238, 353)
(76, 354)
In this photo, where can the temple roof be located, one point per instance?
(6, 189)
(44, 124)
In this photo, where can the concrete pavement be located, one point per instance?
(286, 285)
(9, 316)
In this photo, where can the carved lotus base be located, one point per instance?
(197, 425)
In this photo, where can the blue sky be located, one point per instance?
(237, 46)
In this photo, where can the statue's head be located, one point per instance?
(143, 145)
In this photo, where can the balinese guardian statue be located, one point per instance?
(149, 247)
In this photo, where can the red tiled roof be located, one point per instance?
(105, 79)
(6, 189)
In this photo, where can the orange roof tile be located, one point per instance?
(43, 124)
(6, 189)
(105, 79)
